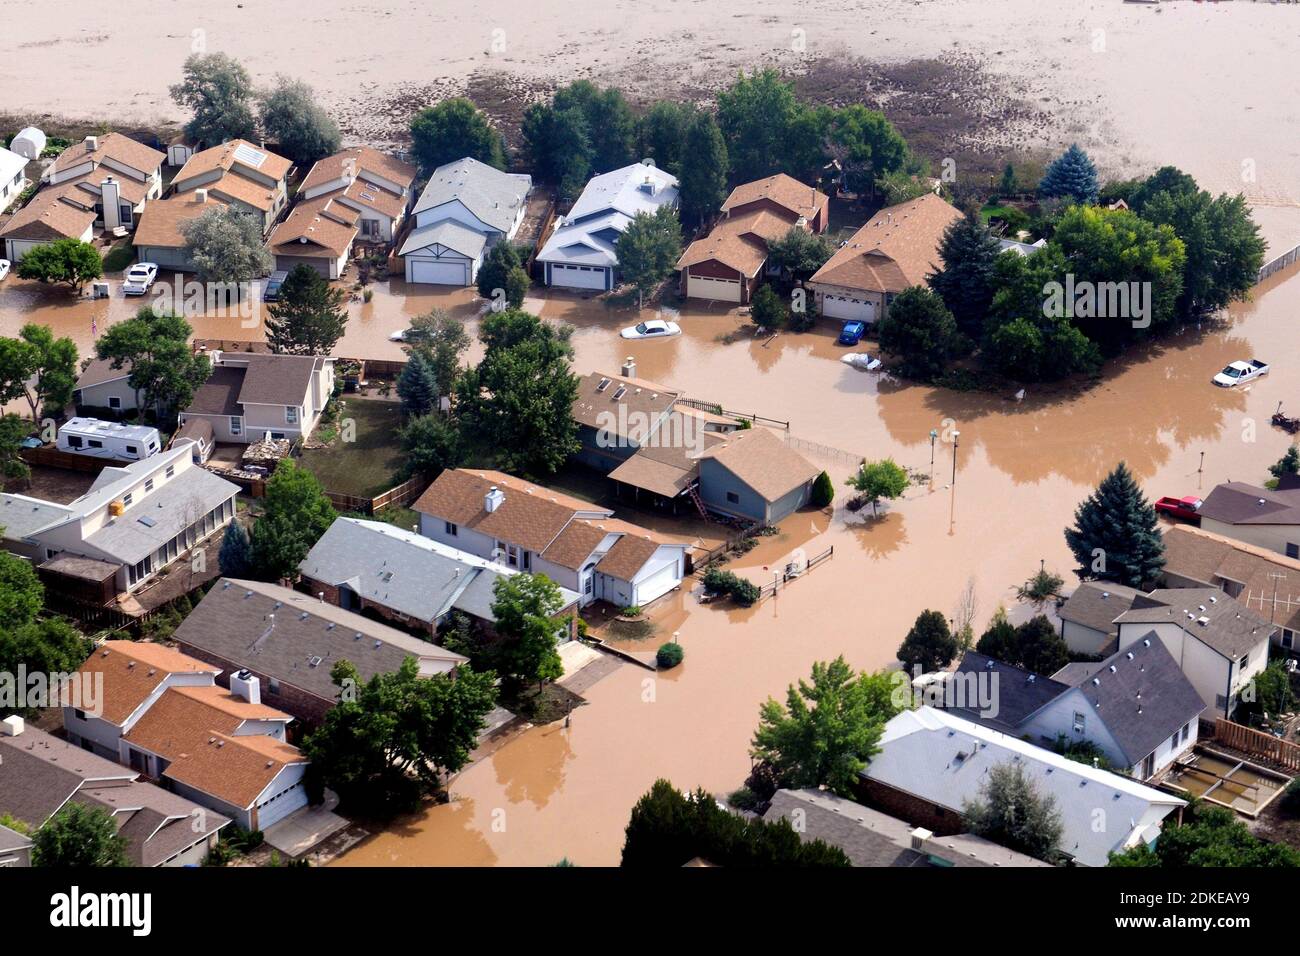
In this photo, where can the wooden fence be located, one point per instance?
(1257, 743)
(714, 408)
(402, 494)
(52, 457)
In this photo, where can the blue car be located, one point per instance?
(852, 333)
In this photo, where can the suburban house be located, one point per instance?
(1218, 643)
(317, 233)
(40, 774)
(648, 438)
(134, 521)
(252, 394)
(289, 641)
(1135, 706)
(237, 174)
(13, 179)
(378, 187)
(871, 838)
(1088, 616)
(896, 249)
(580, 251)
(15, 849)
(54, 213)
(578, 545)
(933, 762)
(1264, 581)
(407, 579)
(100, 387)
(466, 208)
(1265, 518)
(727, 264)
(163, 714)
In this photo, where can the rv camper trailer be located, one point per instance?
(100, 439)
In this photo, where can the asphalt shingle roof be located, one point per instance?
(1207, 614)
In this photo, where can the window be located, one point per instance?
(451, 529)
(273, 685)
(1292, 550)
(131, 449)
(1288, 637)
(236, 426)
(1185, 732)
(1242, 663)
(148, 484)
(74, 441)
(590, 586)
(733, 498)
(127, 498)
(1080, 722)
(96, 443)
(171, 470)
(114, 402)
(290, 414)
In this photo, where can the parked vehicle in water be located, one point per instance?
(863, 360)
(1238, 373)
(851, 333)
(1285, 422)
(653, 329)
(139, 278)
(272, 290)
(1186, 508)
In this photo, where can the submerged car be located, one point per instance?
(654, 329)
(4, 268)
(139, 278)
(1186, 508)
(1238, 373)
(863, 360)
(852, 333)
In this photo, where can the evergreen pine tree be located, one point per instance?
(236, 554)
(1288, 464)
(1070, 176)
(417, 385)
(1009, 186)
(495, 271)
(1114, 537)
(969, 254)
(309, 317)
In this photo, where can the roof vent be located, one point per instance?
(1203, 621)
(1129, 655)
(1112, 668)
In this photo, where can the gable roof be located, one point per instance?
(1270, 582)
(739, 242)
(629, 408)
(21, 516)
(11, 164)
(101, 371)
(231, 156)
(1096, 604)
(358, 159)
(493, 196)
(121, 149)
(448, 232)
(608, 203)
(801, 201)
(315, 226)
(945, 759)
(156, 823)
(764, 462)
(896, 249)
(1236, 502)
(1207, 614)
(270, 378)
(56, 212)
(161, 222)
(1018, 693)
(133, 670)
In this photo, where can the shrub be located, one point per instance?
(669, 655)
(745, 799)
(717, 581)
(823, 491)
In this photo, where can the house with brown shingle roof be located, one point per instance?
(252, 394)
(896, 249)
(727, 264)
(317, 233)
(54, 213)
(576, 544)
(161, 713)
(379, 187)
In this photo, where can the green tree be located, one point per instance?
(309, 317)
(79, 836)
(662, 134)
(294, 120)
(12, 432)
(559, 144)
(497, 265)
(828, 728)
(1043, 586)
(1115, 536)
(648, 250)
(47, 646)
(921, 332)
(1208, 837)
(1167, 180)
(1288, 464)
(452, 130)
(295, 513)
(823, 491)
(929, 644)
(165, 371)
(225, 245)
(867, 146)
(442, 340)
(431, 443)
(38, 368)
(526, 609)
(1034, 645)
(63, 260)
(879, 479)
(236, 555)
(969, 253)
(1269, 692)
(757, 114)
(218, 91)
(766, 310)
(417, 386)
(799, 252)
(703, 177)
(1012, 812)
(1072, 176)
(389, 740)
(1008, 185)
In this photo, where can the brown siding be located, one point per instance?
(916, 811)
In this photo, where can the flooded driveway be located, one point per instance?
(1021, 470)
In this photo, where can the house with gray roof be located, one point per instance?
(1219, 644)
(1088, 616)
(251, 395)
(408, 579)
(466, 208)
(871, 838)
(40, 774)
(15, 849)
(580, 252)
(290, 641)
(1266, 518)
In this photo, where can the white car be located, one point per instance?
(1238, 373)
(654, 329)
(400, 335)
(4, 268)
(861, 360)
(139, 278)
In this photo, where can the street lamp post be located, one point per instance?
(934, 435)
(955, 435)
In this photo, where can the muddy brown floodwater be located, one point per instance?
(1021, 470)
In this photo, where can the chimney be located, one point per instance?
(110, 193)
(649, 186)
(200, 195)
(92, 143)
(629, 367)
(244, 684)
(11, 726)
(919, 837)
(493, 499)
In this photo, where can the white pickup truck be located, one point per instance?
(1238, 373)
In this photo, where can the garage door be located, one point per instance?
(436, 273)
(659, 583)
(846, 307)
(578, 277)
(288, 263)
(280, 806)
(720, 290)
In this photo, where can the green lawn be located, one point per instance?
(120, 256)
(367, 465)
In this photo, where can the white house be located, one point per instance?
(1219, 644)
(576, 544)
(466, 208)
(580, 252)
(252, 394)
(112, 440)
(12, 178)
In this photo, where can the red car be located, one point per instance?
(1185, 508)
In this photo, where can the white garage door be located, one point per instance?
(436, 273)
(720, 290)
(578, 277)
(280, 806)
(661, 582)
(846, 307)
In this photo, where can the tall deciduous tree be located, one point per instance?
(1012, 812)
(703, 177)
(47, 646)
(442, 340)
(1208, 837)
(757, 115)
(867, 146)
(294, 120)
(525, 607)
(225, 245)
(78, 836)
(800, 252)
(309, 317)
(1070, 176)
(662, 134)
(452, 130)
(969, 253)
(432, 443)
(69, 261)
(21, 591)
(1115, 536)
(648, 250)
(164, 369)
(295, 514)
(879, 479)
(219, 93)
